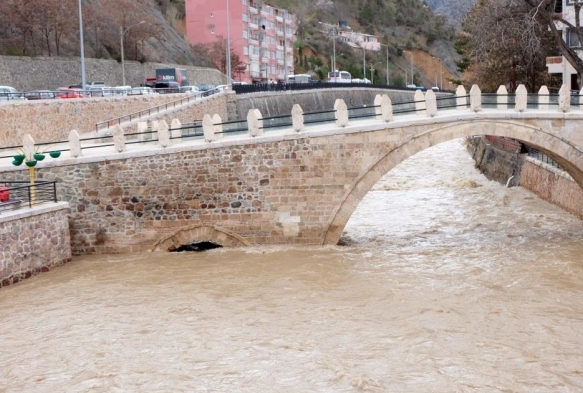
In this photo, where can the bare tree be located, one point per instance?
(506, 44)
(216, 52)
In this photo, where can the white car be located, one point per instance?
(9, 93)
(141, 91)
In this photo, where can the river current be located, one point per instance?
(447, 282)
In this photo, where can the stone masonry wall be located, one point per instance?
(257, 190)
(52, 120)
(33, 241)
(547, 182)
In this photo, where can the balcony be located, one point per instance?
(253, 10)
(280, 33)
(253, 26)
(279, 18)
(555, 64)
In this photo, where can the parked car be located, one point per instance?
(40, 95)
(187, 89)
(167, 87)
(65, 92)
(9, 93)
(141, 91)
(207, 89)
(100, 91)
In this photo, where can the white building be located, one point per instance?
(558, 64)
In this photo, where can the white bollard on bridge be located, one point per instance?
(564, 98)
(297, 115)
(475, 98)
(430, 103)
(502, 98)
(341, 113)
(74, 144)
(119, 139)
(543, 98)
(163, 134)
(521, 99)
(254, 122)
(208, 128)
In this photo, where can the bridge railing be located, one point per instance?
(382, 109)
(106, 124)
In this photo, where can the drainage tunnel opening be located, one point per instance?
(196, 246)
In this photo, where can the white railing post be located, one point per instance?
(119, 139)
(163, 134)
(461, 97)
(521, 99)
(564, 98)
(297, 114)
(475, 99)
(386, 108)
(502, 98)
(431, 103)
(341, 113)
(543, 98)
(74, 144)
(208, 128)
(255, 122)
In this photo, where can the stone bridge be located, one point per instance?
(293, 179)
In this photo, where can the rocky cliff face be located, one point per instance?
(453, 10)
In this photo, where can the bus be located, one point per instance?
(339, 77)
(299, 78)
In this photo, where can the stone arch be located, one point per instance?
(200, 233)
(565, 153)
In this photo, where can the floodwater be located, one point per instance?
(448, 283)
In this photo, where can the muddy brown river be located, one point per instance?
(447, 283)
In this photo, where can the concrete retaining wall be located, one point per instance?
(33, 241)
(32, 73)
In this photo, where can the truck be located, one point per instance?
(177, 75)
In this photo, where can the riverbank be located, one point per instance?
(508, 162)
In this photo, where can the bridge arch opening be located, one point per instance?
(565, 153)
(199, 238)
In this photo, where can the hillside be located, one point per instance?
(404, 26)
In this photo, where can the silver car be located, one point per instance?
(8, 93)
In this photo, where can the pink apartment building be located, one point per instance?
(260, 33)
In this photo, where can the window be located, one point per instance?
(572, 39)
(244, 2)
(245, 51)
(245, 18)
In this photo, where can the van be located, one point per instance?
(339, 77)
(299, 78)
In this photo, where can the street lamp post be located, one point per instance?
(388, 79)
(122, 32)
(228, 47)
(363, 62)
(411, 61)
(83, 81)
(333, 65)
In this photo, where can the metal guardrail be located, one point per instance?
(272, 87)
(18, 194)
(192, 96)
(534, 153)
